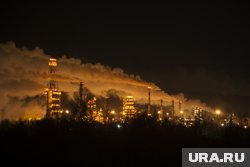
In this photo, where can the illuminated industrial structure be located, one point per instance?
(129, 111)
(160, 112)
(173, 113)
(88, 108)
(181, 111)
(91, 107)
(52, 92)
(149, 102)
(98, 116)
(81, 94)
(112, 116)
(82, 107)
(161, 108)
(180, 106)
(198, 115)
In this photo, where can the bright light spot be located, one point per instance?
(67, 111)
(159, 112)
(245, 127)
(119, 126)
(222, 124)
(218, 112)
(181, 112)
(61, 111)
(112, 112)
(167, 113)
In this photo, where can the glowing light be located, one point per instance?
(181, 112)
(128, 108)
(149, 115)
(245, 127)
(218, 112)
(67, 111)
(159, 112)
(61, 111)
(167, 114)
(119, 126)
(52, 62)
(222, 124)
(112, 112)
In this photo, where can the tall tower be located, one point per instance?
(91, 108)
(180, 108)
(52, 92)
(81, 93)
(128, 109)
(149, 101)
(173, 114)
(82, 105)
(161, 105)
(198, 116)
(160, 112)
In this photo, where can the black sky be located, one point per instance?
(200, 49)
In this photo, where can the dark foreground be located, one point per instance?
(67, 143)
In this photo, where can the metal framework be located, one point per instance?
(198, 116)
(129, 110)
(91, 108)
(149, 102)
(52, 92)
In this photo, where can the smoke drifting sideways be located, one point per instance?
(24, 76)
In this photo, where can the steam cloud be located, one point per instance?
(23, 74)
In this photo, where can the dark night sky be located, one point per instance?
(200, 49)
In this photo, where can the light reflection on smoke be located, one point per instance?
(23, 74)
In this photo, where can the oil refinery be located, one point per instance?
(90, 109)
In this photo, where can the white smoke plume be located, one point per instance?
(24, 75)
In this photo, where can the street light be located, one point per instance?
(118, 126)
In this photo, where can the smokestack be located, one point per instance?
(149, 101)
(81, 93)
(173, 109)
(81, 100)
(161, 104)
(52, 70)
(180, 102)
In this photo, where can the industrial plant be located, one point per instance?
(89, 109)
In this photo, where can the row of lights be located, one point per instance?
(66, 111)
(218, 112)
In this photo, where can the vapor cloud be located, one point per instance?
(23, 74)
